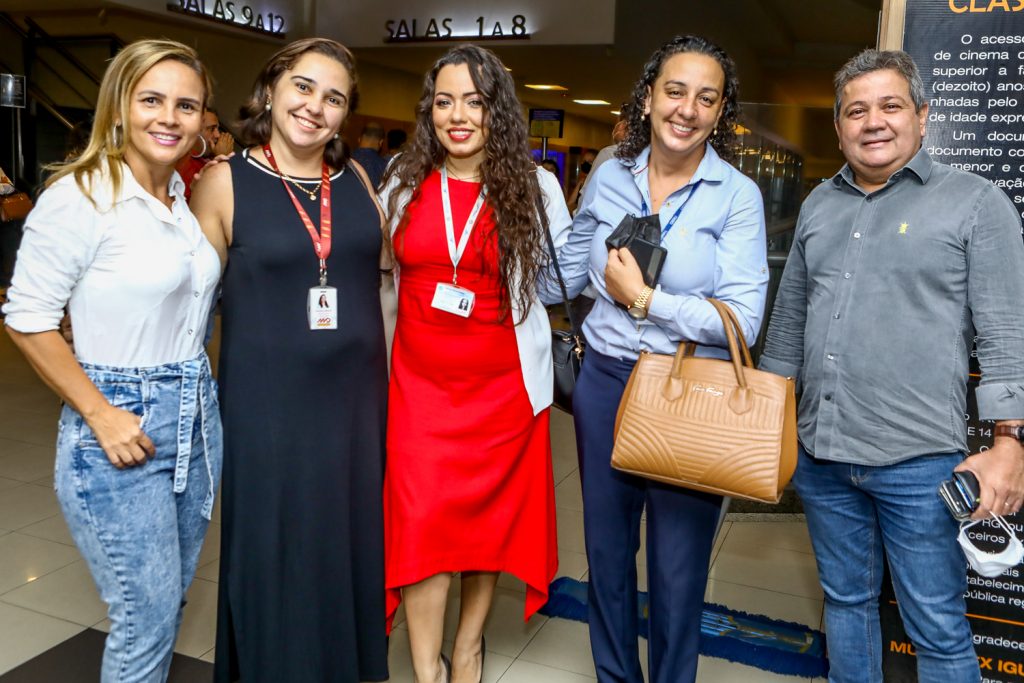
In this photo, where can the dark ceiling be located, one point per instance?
(785, 50)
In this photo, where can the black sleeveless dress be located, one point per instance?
(301, 569)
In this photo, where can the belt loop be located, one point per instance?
(204, 396)
(145, 389)
(186, 418)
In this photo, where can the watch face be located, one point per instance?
(636, 312)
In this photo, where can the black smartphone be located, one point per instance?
(961, 494)
(641, 235)
(650, 257)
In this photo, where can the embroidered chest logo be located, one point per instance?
(903, 228)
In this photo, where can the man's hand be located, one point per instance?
(225, 145)
(622, 277)
(1000, 473)
(219, 159)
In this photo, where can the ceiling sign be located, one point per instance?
(536, 22)
(232, 13)
(546, 123)
(441, 30)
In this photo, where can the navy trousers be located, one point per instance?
(680, 533)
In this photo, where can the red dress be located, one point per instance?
(468, 483)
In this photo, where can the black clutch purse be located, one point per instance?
(567, 346)
(642, 236)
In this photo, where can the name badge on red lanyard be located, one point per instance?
(322, 301)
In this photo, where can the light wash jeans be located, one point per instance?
(141, 528)
(854, 514)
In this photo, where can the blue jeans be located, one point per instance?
(141, 528)
(854, 514)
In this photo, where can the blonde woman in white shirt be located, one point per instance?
(139, 439)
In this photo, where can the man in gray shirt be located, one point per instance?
(897, 261)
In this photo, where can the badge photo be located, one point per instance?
(322, 308)
(453, 299)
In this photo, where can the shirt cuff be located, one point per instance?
(662, 306)
(30, 323)
(1000, 401)
(778, 367)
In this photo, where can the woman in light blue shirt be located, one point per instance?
(673, 162)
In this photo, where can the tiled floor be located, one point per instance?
(47, 596)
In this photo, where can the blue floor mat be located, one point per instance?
(769, 644)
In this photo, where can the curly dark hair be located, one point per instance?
(254, 121)
(638, 132)
(508, 171)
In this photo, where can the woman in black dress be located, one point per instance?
(303, 385)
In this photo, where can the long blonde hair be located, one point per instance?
(108, 141)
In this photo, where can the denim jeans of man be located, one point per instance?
(860, 515)
(141, 528)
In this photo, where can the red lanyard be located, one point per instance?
(321, 241)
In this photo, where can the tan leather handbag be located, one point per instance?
(707, 424)
(15, 206)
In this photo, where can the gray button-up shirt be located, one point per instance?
(877, 309)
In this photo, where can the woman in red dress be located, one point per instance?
(468, 485)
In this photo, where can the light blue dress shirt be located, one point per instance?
(715, 249)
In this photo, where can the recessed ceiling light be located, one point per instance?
(592, 102)
(546, 87)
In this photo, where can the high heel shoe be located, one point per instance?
(447, 668)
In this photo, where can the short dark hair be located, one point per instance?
(373, 130)
(396, 138)
(877, 60)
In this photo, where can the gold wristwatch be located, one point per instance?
(638, 309)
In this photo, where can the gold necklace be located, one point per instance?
(473, 178)
(310, 193)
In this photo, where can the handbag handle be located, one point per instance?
(739, 353)
(721, 306)
(543, 215)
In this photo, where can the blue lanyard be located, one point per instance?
(675, 216)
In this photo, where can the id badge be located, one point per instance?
(322, 308)
(453, 299)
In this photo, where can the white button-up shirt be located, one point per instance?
(137, 277)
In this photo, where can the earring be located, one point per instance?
(337, 136)
(117, 135)
(266, 107)
(206, 148)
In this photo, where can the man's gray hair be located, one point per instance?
(876, 60)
